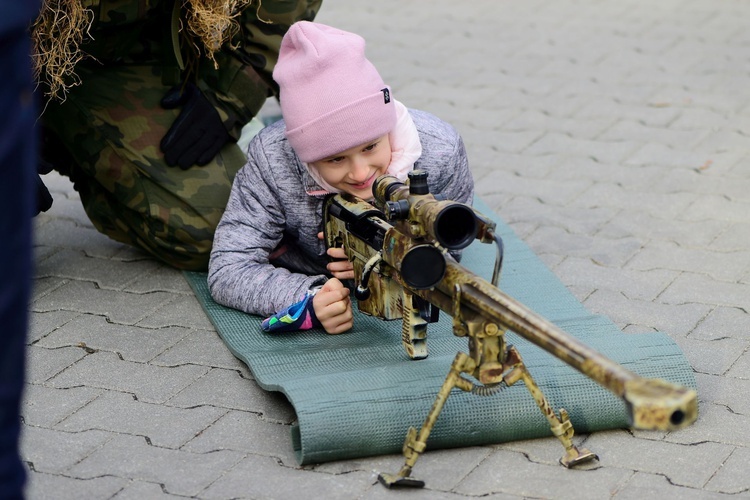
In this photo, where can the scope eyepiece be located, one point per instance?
(397, 210)
(384, 187)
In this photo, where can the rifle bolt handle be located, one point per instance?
(361, 293)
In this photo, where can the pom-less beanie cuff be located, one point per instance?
(332, 98)
(346, 127)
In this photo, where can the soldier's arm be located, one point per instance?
(262, 29)
(243, 79)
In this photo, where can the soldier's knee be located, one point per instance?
(181, 240)
(185, 247)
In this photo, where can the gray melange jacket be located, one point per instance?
(269, 208)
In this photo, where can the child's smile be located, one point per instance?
(355, 170)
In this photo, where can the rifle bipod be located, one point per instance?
(492, 363)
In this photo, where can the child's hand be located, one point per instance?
(341, 269)
(333, 307)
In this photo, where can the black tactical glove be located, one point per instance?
(198, 133)
(43, 196)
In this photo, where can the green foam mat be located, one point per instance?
(356, 394)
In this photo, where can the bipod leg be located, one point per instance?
(416, 442)
(561, 426)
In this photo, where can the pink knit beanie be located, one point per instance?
(332, 98)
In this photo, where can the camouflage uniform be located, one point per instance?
(106, 134)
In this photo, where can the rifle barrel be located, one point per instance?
(652, 403)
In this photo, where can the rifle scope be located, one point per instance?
(450, 223)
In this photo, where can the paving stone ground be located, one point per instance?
(613, 136)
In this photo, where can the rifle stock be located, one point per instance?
(404, 270)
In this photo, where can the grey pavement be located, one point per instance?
(613, 136)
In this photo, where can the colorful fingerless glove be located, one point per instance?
(298, 316)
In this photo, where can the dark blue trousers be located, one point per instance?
(17, 185)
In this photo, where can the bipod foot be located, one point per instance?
(399, 481)
(573, 456)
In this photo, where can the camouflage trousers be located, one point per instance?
(111, 126)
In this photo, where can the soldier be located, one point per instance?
(146, 100)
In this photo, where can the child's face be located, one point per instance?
(354, 170)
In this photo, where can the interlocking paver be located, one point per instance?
(723, 322)
(603, 251)
(717, 423)
(643, 485)
(86, 297)
(379, 493)
(659, 205)
(46, 406)
(55, 452)
(42, 324)
(654, 114)
(44, 364)
(45, 286)
(106, 273)
(493, 159)
(637, 132)
(246, 432)
(700, 119)
(262, 477)
(201, 347)
(732, 477)
(164, 426)
(181, 472)
(741, 368)
(655, 227)
(506, 142)
(690, 465)
(534, 119)
(702, 181)
(59, 232)
(602, 152)
(676, 319)
(632, 178)
(42, 485)
(524, 209)
(510, 472)
(129, 342)
(699, 288)
(717, 207)
(149, 383)
(228, 389)
(184, 310)
(441, 470)
(159, 279)
(726, 390)
(716, 357)
(735, 237)
(664, 156)
(632, 284)
(138, 490)
(555, 192)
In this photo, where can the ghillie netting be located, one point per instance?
(56, 36)
(62, 25)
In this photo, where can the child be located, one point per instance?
(341, 130)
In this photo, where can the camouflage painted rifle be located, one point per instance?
(401, 248)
